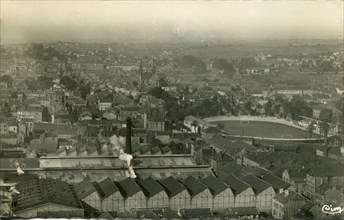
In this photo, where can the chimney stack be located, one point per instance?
(128, 137)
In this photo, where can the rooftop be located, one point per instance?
(172, 186)
(288, 195)
(194, 186)
(37, 192)
(215, 185)
(128, 187)
(150, 187)
(84, 188)
(276, 182)
(106, 188)
(235, 184)
(258, 185)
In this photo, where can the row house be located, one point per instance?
(332, 175)
(30, 112)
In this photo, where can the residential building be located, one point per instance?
(332, 175)
(104, 104)
(156, 124)
(296, 177)
(287, 204)
(30, 112)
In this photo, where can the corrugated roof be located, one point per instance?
(258, 185)
(235, 184)
(194, 186)
(172, 186)
(215, 185)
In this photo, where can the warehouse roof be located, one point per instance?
(172, 186)
(258, 185)
(194, 186)
(128, 187)
(150, 187)
(37, 192)
(235, 184)
(215, 185)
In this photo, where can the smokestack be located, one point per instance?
(128, 137)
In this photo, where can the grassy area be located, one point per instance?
(264, 129)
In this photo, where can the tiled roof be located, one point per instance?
(289, 195)
(150, 187)
(257, 184)
(235, 184)
(225, 144)
(128, 187)
(334, 170)
(172, 186)
(275, 182)
(194, 186)
(215, 185)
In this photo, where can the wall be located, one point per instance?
(264, 200)
(180, 201)
(245, 199)
(223, 200)
(159, 200)
(202, 200)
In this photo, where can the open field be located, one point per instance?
(264, 129)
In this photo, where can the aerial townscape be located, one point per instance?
(173, 127)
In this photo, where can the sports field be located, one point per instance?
(264, 129)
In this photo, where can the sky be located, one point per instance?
(112, 21)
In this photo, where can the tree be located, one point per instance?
(135, 84)
(7, 79)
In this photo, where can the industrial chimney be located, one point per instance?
(128, 137)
